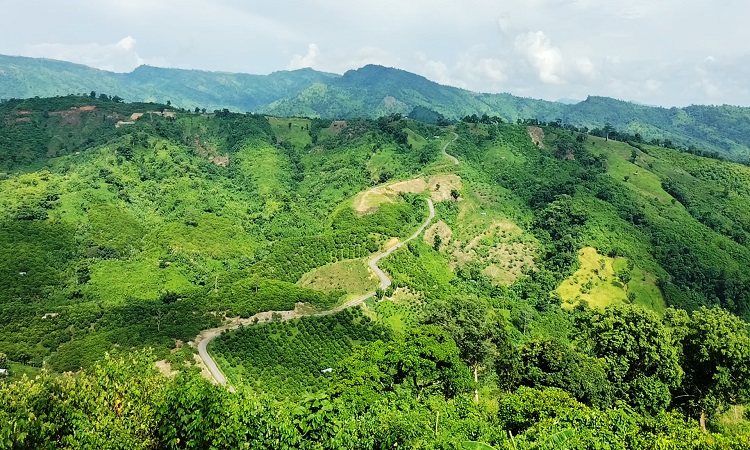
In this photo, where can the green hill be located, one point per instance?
(568, 287)
(373, 91)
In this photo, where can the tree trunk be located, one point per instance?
(476, 381)
(703, 421)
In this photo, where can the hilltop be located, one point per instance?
(373, 91)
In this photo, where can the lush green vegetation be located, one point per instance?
(150, 232)
(289, 358)
(374, 91)
(137, 235)
(413, 391)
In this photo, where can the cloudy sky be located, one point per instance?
(659, 52)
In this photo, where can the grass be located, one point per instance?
(733, 422)
(369, 200)
(416, 141)
(639, 177)
(18, 370)
(482, 233)
(597, 283)
(213, 236)
(351, 275)
(400, 311)
(115, 280)
(297, 134)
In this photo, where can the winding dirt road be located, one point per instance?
(453, 158)
(206, 336)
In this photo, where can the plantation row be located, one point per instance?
(289, 357)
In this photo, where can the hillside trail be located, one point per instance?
(213, 373)
(445, 147)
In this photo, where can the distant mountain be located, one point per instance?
(22, 77)
(372, 91)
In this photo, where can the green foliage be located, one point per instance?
(716, 359)
(123, 402)
(149, 235)
(288, 358)
(552, 363)
(638, 352)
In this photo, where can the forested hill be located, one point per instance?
(567, 291)
(373, 91)
(35, 77)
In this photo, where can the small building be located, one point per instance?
(3, 372)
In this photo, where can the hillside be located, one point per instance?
(33, 77)
(568, 288)
(373, 91)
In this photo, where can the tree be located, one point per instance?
(552, 363)
(716, 361)
(639, 351)
(4, 361)
(424, 361)
(436, 242)
(608, 130)
(480, 333)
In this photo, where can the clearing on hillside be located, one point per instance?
(537, 136)
(602, 281)
(501, 250)
(440, 188)
(351, 275)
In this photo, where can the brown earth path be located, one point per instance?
(206, 336)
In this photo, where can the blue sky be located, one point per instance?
(661, 52)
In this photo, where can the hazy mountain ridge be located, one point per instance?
(372, 91)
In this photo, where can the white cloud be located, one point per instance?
(437, 71)
(585, 67)
(308, 60)
(504, 22)
(603, 47)
(364, 56)
(547, 59)
(120, 56)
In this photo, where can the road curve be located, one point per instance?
(453, 158)
(206, 336)
(217, 374)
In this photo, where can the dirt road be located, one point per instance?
(453, 158)
(206, 336)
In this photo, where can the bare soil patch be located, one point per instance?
(537, 136)
(165, 368)
(439, 229)
(337, 126)
(439, 187)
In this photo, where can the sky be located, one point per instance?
(656, 52)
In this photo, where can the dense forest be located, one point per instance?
(572, 291)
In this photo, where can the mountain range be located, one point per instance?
(373, 91)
